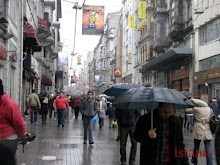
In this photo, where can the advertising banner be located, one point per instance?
(142, 9)
(93, 20)
(62, 59)
(131, 22)
(118, 72)
(97, 79)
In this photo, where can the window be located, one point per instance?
(209, 63)
(209, 32)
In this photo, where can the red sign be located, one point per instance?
(117, 72)
(42, 23)
(3, 52)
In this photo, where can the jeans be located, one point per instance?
(208, 149)
(101, 122)
(88, 124)
(68, 114)
(124, 132)
(190, 122)
(76, 111)
(8, 151)
(61, 116)
(34, 114)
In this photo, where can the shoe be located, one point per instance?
(58, 125)
(118, 139)
(132, 163)
(91, 142)
(62, 125)
(85, 142)
(123, 163)
(35, 123)
(100, 126)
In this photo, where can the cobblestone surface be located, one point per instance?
(67, 148)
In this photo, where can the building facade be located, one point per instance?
(207, 49)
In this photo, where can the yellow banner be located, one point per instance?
(142, 9)
(131, 22)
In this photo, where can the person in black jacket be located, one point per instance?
(164, 144)
(127, 120)
(217, 144)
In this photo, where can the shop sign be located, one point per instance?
(211, 75)
(3, 53)
(180, 74)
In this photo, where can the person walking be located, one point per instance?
(44, 107)
(12, 126)
(76, 106)
(89, 110)
(50, 105)
(158, 146)
(34, 102)
(111, 114)
(102, 111)
(217, 144)
(61, 105)
(127, 119)
(68, 97)
(202, 114)
(215, 107)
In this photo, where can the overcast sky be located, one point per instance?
(84, 43)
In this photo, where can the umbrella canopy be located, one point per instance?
(105, 96)
(148, 98)
(118, 89)
(187, 93)
(75, 96)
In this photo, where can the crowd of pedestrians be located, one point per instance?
(162, 141)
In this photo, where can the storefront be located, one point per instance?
(180, 79)
(207, 84)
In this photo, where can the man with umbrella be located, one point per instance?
(163, 144)
(159, 132)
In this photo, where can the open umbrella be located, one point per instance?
(187, 93)
(120, 88)
(75, 96)
(148, 98)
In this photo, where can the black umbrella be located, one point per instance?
(75, 96)
(118, 89)
(187, 93)
(148, 98)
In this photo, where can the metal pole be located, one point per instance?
(74, 41)
(21, 57)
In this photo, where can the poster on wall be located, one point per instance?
(93, 20)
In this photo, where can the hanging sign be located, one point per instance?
(131, 22)
(79, 60)
(142, 9)
(93, 20)
(128, 60)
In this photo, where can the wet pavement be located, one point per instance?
(64, 146)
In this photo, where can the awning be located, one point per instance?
(30, 37)
(171, 56)
(45, 80)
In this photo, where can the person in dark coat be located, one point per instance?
(111, 114)
(217, 144)
(44, 107)
(164, 144)
(127, 119)
(50, 105)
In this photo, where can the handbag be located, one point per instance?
(214, 120)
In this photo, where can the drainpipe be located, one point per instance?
(21, 58)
